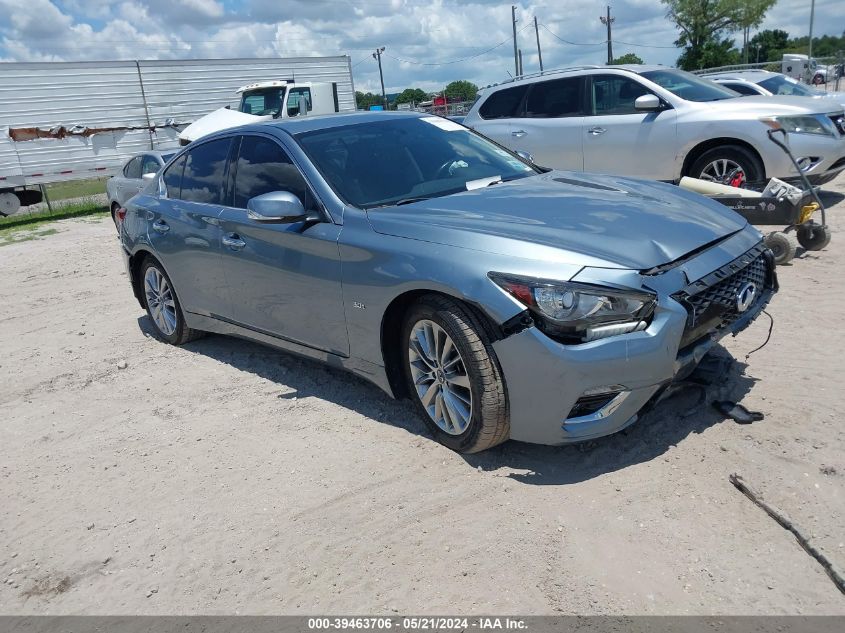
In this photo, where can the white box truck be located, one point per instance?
(72, 120)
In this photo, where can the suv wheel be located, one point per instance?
(453, 375)
(163, 305)
(723, 164)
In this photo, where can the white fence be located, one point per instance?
(70, 120)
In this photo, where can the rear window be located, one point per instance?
(172, 178)
(202, 180)
(556, 98)
(503, 104)
(133, 168)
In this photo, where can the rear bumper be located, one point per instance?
(545, 379)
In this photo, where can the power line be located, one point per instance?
(603, 43)
(454, 61)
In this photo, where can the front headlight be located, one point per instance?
(576, 312)
(802, 124)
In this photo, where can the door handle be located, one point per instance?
(233, 241)
(595, 131)
(160, 226)
(519, 133)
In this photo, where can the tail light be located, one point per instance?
(121, 214)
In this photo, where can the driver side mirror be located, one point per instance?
(648, 103)
(278, 207)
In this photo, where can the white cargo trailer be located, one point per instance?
(71, 120)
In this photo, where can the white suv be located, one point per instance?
(659, 123)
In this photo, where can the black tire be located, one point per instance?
(782, 245)
(813, 237)
(181, 333)
(489, 422)
(114, 208)
(744, 158)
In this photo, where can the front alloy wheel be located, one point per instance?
(440, 377)
(453, 375)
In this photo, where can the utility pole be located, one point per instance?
(539, 52)
(515, 51)
(810, 71)
(608, 21)
(377, 55)
(520, 63)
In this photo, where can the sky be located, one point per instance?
(428, 43)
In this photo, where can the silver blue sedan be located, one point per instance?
(506, 300)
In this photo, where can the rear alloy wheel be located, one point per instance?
(728, 165)
(163, 305)
(454, 376)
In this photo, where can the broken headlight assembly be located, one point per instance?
(578, 313)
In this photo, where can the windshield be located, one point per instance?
(689, 87)
(401, 160)
(263, 102)
(782, 85)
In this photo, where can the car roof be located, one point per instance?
(752, 75)
(551, 74)
(310, 123)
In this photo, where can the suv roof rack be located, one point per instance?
(543, 73)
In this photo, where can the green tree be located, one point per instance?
(712, 54)
(704, 24)
(462, 90)
(411, 95)
(363, 100)
(768, 45)
(627, 58)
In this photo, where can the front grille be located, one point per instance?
(711, 302)
(839, 122)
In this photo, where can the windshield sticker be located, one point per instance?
(443, 124)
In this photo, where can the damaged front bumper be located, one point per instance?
(560, 394)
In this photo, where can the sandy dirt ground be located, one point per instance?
(224, 477)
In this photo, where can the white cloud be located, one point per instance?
(419, 35)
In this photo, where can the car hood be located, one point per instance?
(587, 219)
(772, 105)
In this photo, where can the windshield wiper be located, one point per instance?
(399, 203)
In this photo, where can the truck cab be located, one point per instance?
(265, 100)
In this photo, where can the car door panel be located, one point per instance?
(619, 140)
(550, 127)
(185, 233)
(283, 279)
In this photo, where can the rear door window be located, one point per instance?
(504, 104)
(133, 168)
(263, 166)
(555, 98)
(172, 178)
(613, 94)
(203, 178)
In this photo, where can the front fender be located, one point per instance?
(379, 268)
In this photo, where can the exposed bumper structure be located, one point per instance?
(605, 383)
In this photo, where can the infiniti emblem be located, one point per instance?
(745, 297)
